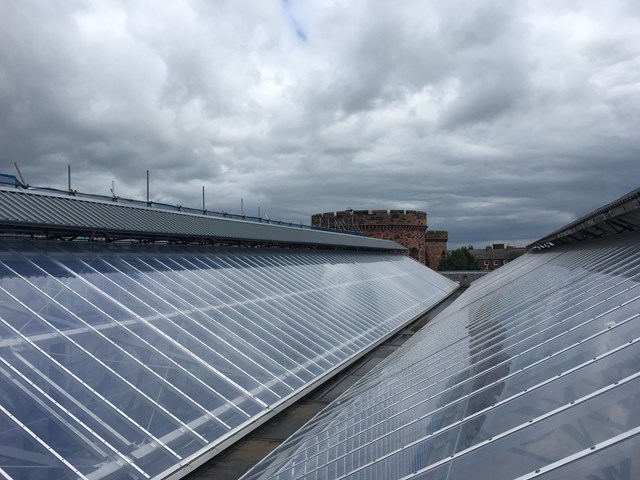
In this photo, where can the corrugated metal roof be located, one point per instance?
(30, 211)
(621, 215)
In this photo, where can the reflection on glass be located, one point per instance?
(126, 360)
(532, 365)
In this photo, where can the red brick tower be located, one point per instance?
(407, 227)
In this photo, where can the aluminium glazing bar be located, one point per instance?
(105, 366)
(109, 341)
(477, 414)
(171, 340)
(327, 330)
(592, 450)
(403, 397)
(35, 437)
(516, 321)
(165, 299)
(87, 387)
(506, 433)
(43, 395)
(118, 347)
(274, 374)
(60, 391)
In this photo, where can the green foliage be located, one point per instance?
(460, 259)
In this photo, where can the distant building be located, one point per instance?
(496, 255)
(407, 227)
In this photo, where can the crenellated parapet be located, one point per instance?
(369, 219)
(436, 244)
(437, 236)
(407, 227)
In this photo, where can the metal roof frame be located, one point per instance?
(498, 384)
(244, 333)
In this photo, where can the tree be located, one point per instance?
(460, 259)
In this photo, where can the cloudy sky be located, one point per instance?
(502, 119)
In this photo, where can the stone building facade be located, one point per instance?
(496, 255)
(436, 243)
(407, 227)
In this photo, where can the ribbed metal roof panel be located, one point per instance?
(621, 215)
(29, 209)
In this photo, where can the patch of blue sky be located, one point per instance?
(286, 5)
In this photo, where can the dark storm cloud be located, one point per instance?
(504, 120)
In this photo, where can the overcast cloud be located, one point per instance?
(503, 120)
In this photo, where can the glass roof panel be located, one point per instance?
(127, 361)
(533, 366)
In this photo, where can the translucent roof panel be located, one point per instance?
(133, 361)
(532, 372)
